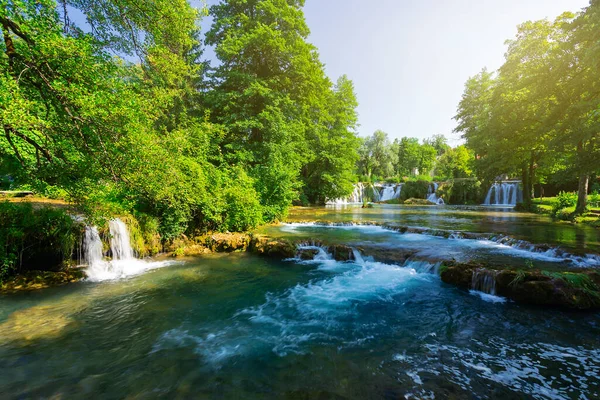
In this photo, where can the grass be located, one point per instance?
(592, 217)
(576, 281)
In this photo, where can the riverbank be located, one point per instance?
(545, 206)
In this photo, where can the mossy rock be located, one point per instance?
(418, 202)
(575, 290)
(34, 280)
(307, 254)
(266, 246)
(341, 252)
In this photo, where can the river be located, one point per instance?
(237, 326)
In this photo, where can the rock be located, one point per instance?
(419, 202)
(272, 247)
(34, 280)
(575, 290)
(307, 254)
(228, 242)
(341, 252)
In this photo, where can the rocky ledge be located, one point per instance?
(34, 280)
(575, 290)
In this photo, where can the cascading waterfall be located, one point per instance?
(504, 194)
(123, 262)
(484, 281)
(378, 192)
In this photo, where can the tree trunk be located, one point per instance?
(582, 195)
(526, 187)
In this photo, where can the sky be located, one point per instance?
(410, 59)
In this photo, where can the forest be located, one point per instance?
(121, 113)
(113, 106)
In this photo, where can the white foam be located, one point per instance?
(488, 297)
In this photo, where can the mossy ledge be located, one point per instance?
(35, 280)
(574, 290)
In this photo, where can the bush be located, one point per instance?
(564, 200)
(460, 191)
(594, 199)
(415, 189)
(35, 239)
(243, 210)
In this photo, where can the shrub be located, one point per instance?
(415, 189)
(35, 239)
(243, 210)
(594, 199)
(564, 200)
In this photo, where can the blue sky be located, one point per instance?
(409, 59)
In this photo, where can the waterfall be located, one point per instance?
(123, 263)
(120, 246)
(92, 247)
(484, 281)
(504, 194)
(432, 196)
(378, 192)
(389, 192)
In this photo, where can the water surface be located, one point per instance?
(237, 326)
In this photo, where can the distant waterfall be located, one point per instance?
(381, 192)
(123, 262)
(484, 281)
(504, 194)
(432, 196)
(365, 192)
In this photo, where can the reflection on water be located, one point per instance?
(526, 226)
(238, 326)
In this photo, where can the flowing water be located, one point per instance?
(238, 326)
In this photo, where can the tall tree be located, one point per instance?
(269, 91)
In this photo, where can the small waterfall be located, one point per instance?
(358, 258)
(92, 247)
(432, 196)
(120, 245)
(388, 193)
(484, 281)
(503, 194)
(123, 261)
(398, 191)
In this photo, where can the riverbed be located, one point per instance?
(241, 326)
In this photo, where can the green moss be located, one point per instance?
(578, 281)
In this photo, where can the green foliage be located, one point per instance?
(415, 190)
(538, 116)
(34, 238)
(594, 199)
(579, 281)
(460, 191)
(243, 210)
(519, 278)
(562, 201)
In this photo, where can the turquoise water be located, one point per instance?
(238, 326)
